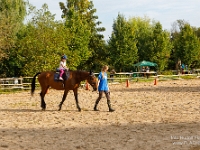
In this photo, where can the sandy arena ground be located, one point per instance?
(165, 116)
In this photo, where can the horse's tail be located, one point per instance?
(33, 83)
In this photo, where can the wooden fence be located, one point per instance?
(25, 82)
(16, 83)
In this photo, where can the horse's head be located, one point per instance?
(92, 80)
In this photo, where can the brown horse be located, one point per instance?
(46, 80)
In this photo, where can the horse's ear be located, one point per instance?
(91, 73)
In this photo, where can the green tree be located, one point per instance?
(187, 46)
(77, 14)
(153, 43)
(96, 44)
(100, 55)
(41, 42)
(12, 14)
(122, 45)
(197, 31)
(161, 46)
(143, 31)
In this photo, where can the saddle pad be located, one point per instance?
(56, 76)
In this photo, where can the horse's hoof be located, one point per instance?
(96, 110)
(43, 109)
(111, 110)
(79, 110)
(59, 107)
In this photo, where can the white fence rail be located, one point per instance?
(15, 83)
(25, 82)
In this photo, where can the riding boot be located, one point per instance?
(109, 106)
(108, 101)
(96, 103)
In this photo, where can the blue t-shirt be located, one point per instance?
(103, 84)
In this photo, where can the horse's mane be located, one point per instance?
(78, 71)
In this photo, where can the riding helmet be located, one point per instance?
(64, 57)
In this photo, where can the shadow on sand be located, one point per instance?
(160, 89)
(139, 136)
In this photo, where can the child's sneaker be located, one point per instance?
(60, 78)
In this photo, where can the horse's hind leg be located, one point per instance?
(63, 99)
(42, 94)
(43, 104)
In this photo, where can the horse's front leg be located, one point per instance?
(63, 99)
(76, 98)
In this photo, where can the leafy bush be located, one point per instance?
(167, 72)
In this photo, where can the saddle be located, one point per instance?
(65, 75)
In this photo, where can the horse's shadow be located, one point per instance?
(38, 110)
(22, 110)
